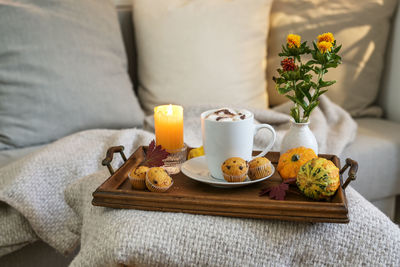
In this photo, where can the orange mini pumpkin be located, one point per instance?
(291, 161)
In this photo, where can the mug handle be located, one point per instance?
(269, 146)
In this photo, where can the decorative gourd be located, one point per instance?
(318, 179)
(290, 162)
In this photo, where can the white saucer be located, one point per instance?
(196, 169)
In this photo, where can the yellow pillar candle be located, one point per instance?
(168, 122)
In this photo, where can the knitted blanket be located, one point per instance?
(34, 186)
(140, 238)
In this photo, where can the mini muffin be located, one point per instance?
(137, 177)
(158, 180)
(259, 167)
(234, 170)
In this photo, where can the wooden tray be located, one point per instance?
(189, 196)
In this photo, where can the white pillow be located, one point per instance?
(201, 51)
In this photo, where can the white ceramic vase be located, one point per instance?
(298, 135)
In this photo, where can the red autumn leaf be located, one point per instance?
(155, 155)
(277, 192)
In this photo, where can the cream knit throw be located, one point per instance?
(35, 184)
(142, 238)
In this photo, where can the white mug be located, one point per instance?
(226, 139)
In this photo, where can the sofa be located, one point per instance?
(376, 146)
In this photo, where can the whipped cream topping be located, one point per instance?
(228, 114)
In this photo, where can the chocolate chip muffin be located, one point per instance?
(234, 170)
(259, 167)
(137, 177)
(158, 180)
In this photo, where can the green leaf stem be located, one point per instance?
(300, 85)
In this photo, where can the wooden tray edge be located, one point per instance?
(344, 219)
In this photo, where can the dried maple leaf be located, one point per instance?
(155, 155)
(277, 192)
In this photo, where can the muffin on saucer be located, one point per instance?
(137, 177)
(259, 167)
(158, 180)
(234, 170)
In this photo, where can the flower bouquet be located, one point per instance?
(295, 79)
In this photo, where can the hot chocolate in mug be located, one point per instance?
(227, 133)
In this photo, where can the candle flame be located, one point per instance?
(169, 111)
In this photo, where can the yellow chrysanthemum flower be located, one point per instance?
(293, 40)
(327, 37)
(324, 46)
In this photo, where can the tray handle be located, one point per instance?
(352, 171)
(109, 157)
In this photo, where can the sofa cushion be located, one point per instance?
(361, 26)
(209, 51)
(63, 69)
(37, 254)
(10, 155)
(390, 96)
(387, 205)
(126, 25)
(377, 150)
